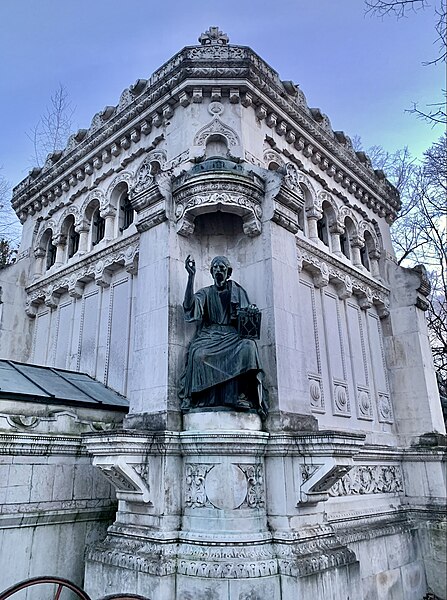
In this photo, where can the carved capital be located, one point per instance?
(51, 300)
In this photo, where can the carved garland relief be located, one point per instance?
(370, 479)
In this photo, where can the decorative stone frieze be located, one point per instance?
(326, 268)
(131, 116)
(369, 479)
(319, 460)
(38, 444)
(96, 266)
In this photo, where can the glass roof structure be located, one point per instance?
(35, 383)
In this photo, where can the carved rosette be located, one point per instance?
(316, 394)
(364, 404)
(218, 186)
(341, 399)
(384, 408)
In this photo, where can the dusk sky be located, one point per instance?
(362, 71)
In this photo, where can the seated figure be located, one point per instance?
(223, 370)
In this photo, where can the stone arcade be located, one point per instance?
(339, 492)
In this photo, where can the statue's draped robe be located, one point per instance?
(217, 353)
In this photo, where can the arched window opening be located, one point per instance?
(322, 230)
(273, 166)
(344, 244)
(51, 253)
(216, 145)
(301, 220)
(346, 237)
(127, 213)
(367, 248)
(72, 240)
(364, 257)
(324, 223)
(98, 227)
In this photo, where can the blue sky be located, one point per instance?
(362, 71)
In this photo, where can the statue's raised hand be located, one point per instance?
(190, 265)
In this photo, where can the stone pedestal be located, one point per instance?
(192, 514)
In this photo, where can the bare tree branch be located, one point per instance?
(53, 128)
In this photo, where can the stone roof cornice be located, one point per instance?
(145, 104)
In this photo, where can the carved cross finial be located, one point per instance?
(214, 37)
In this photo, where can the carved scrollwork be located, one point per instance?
(255, 490)
(23, 421)
(216, 126)
(195, 493)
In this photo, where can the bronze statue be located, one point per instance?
(223, 370)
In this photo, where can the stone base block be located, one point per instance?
(102, 579)
(197, 588)
(339, 583)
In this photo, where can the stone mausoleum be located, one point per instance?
(337, 490)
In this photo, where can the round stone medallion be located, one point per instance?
(226, 486)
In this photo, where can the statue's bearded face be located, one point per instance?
(219, 272)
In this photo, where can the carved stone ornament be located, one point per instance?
(364, 404)
(130, 480)
(370, 479)
(72, 278)
(216, 126)
(316, 394)
(255, 497)
(341, 399)
(318, 479)
(326, 268)
(218, 185)
(288, 197)
(145, 175)
(213, 36)
(384, 407)
(195, 494)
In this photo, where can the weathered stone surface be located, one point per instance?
(340, 491)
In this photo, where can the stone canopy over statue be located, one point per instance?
(223, 370)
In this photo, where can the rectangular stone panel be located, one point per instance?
(118, 336)
(89, 326)
(41, 331)
(65, 317)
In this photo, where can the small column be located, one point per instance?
(314, 214)
(39, 254)
(108, 213)
(59, 241)
(356, 244)
(82, 228)
(374, 263)
(336, 230)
